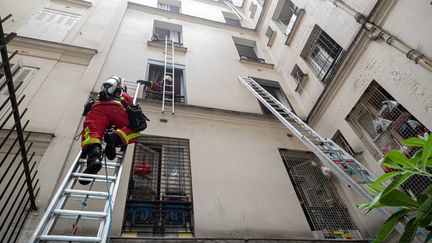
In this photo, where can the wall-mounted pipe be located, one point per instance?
(377, 32)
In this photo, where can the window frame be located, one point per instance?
(328, 199)
(271, 34)
(149, 209)
(172, 29)
(294, 19)
(251, 44)
(371, 106)
(17, 69)
(299, 76)
(51, 20)
(252, 8)
(233, 19)
(180, 98)
(277, 89)
(314, 47)
(171, 5)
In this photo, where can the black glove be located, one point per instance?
(88, 106)
(144, 82)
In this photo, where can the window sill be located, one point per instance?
(160, 45)
(266, 65)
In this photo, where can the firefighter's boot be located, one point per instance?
(112, 140)
(93, 161)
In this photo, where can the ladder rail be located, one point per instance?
(306, 141)
(114, 187)
(329, 163)
(173, 77)
(55, 210)
(43, 223)
(164, 75)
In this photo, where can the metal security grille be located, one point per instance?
(160, 190)
(322, 53)
(382, 124)
(19, 185)
(316, 194)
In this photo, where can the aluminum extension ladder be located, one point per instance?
(168, 92)
(346, 167)
(56, 210)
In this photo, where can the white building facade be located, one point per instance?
(222, 166)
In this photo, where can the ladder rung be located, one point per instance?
(109, 164)
(83, 192)
(85, 176)
(70, 238)
(87, 214)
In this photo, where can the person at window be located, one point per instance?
(111, 108)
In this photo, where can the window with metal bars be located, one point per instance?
(322, 53)
(318, 197)
(159, 199)
(382, 124)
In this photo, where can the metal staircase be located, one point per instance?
(343, 165)
(168, 92)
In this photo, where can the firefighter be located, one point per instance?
(109, 109)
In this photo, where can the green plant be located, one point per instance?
(416, 209)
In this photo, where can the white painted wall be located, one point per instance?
(211, 61)
(339, 25)
(227, 151)
(406, 81)
(240, 186)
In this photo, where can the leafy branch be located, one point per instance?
(418, 209)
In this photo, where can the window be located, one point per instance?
(275, 90)
(271, 34)
(340, 140)
(246, 50)
(49, 24)
(172, 6)
(299, 76)
(252, 9)
(231, 19)
(159, 200)
(287, 15)
(382, 124)
(322, 53)
(20, 74)
(156, 73)
(172, 32)
(318, 198)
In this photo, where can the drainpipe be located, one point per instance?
(378, 33)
